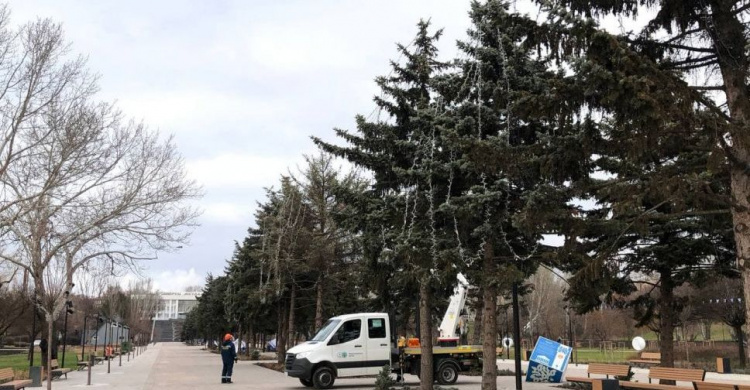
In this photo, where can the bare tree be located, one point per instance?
(545, 304)
(80, 185)
(143, 301)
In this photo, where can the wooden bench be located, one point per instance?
(714, 386)
(616, 370)
(7, 380)
(668, 373)
(57, 371)
(647, 358)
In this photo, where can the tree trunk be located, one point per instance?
(489, 320)
(740, 345)
(291, 340)
(319, 303)
(728, 38)
(280, 334)
(706, 330)
(239, 338)
(47, 360)
(476, 337)
(250, 340)
(666, 322)
(426, 370)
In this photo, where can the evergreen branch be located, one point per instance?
(741, 9)
(694, 213)
(692, 63)
(622, 233)
(707, 87)
(684, 34)
(696, 66)
(731, 155)
(669, 45)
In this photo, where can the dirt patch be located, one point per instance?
(272, 366)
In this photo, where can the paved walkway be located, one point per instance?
(177, 366)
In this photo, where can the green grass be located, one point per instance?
(20, 362)
(593, 355)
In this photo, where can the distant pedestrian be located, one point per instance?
(228, 358)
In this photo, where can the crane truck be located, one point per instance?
(361, 344)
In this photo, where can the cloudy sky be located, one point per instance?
(242, 85)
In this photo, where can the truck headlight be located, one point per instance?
(303, 355)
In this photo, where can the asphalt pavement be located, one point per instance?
(178, 366)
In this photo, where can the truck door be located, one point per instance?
(348, 349)
(378, 345)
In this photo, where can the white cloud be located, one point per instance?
(177, 280)
(227, 212)
(239, 170)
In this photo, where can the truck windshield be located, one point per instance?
(326, 330)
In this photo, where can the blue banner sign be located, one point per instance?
(548, 361)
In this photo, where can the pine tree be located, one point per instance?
(401, 214)
(658, 224)
(646, 76)
(513, 157)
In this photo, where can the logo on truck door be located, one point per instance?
(342, 355)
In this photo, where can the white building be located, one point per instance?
(175, 305)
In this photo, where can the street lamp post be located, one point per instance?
(517, 335)
(108, 351)
(130, 343)
(96, 334)
(33, 329)
(83, 338)
(68, 310)
(120, 333)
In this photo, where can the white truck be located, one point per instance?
(356, 345)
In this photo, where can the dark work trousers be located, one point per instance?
(226, 371)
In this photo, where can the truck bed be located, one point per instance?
(463, 349)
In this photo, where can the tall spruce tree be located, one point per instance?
(656, 224)
(513, 156)
(690, 52)
(330, 244)
(406, 154)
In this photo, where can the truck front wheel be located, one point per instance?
(306, 382)
(447, 373)
(323, 378)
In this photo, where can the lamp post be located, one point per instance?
(130, 344)
(68, 310)
(517, 335)
(108, 351)
(33, 329)
(96, 334)
(105, 325)
(83, 338)
(120, 332)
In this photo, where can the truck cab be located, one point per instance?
(346, 346)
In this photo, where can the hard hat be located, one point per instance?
(227, 337)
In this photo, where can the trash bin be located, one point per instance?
(722, 365)
(35, 374)
(605, 384)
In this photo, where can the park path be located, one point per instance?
(177, 366)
